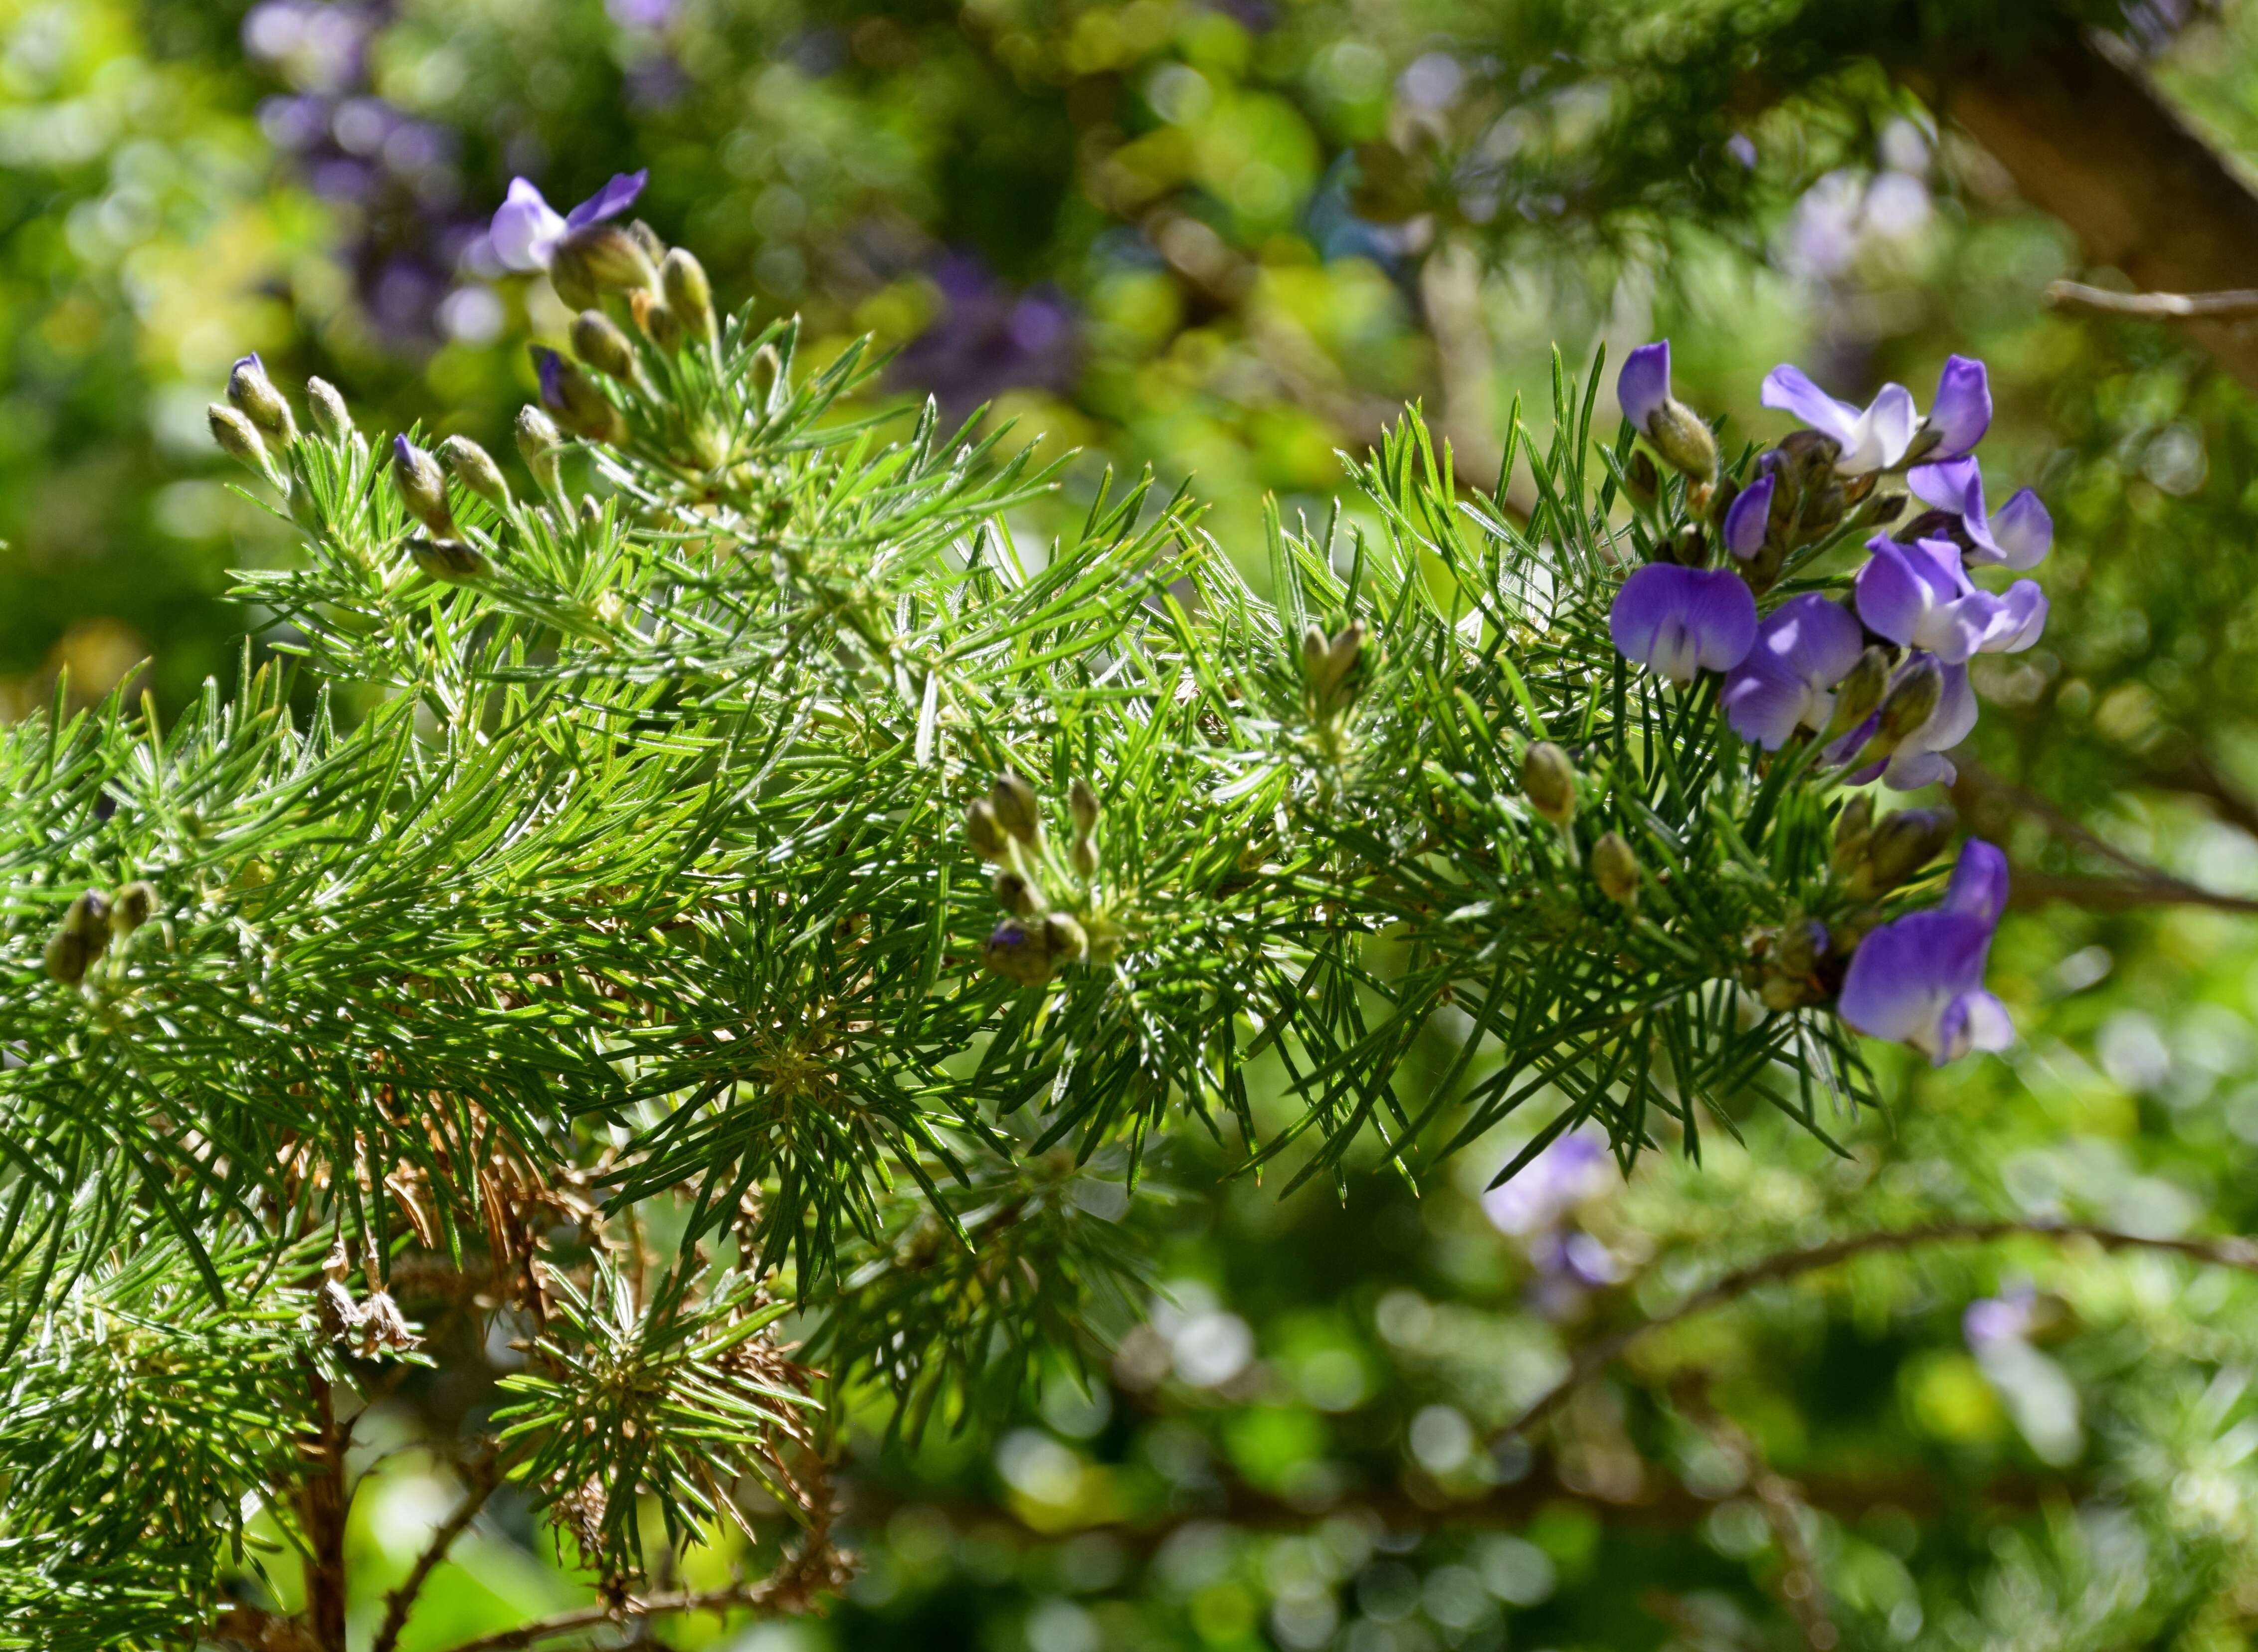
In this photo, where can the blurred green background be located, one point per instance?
(1227, 240)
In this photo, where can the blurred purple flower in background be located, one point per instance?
(989, 338)
(1569, 1170)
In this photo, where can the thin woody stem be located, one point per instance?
(484, 1477)
(2238, 1254)
(2100, 300)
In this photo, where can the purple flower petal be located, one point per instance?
(1892, 595)
(1950, 485)
(549, 367)
(1802, 651)
(1979, 888)
(1765, 706)
(1644, 385)
(1919, 595)
(1919, 760)
(609, 201)
(525, 230)
(1790, 390)
(1909, 770)
(1814, 638)
(1962, 409)
(1749, 520)
(2022, 532)
(1920, 981)
(2020, 619)
(1682, 622)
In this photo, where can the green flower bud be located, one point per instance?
(1332, 668)
(572, 396)
(658, 323)
(449, 561)
(1065, 940)
(1683, 440)
(1313, 652)
(253, 393)
(983, 832)
(1859, 692)
(1014, 800)
(1899, 846)
(1019, 953)
(475, 469)
(1911, 700)
(132, 906)
(690, 295)
(1548, 780)
(423, 488)
(67, 956)
(88, 916)
(1642, 482)
(238, 438)
(541, 445)
(598, 258)
(1851, 829)
(1082, 803)
(597, 341)
(1083, 855)
(331, 417)
(1615, 869)
(1015, 894)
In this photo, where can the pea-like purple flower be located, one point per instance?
(1803, 647)
(1920, 596)
(527, 229)
(1917, 759)
(1873, 437)
(1749, 518)
(1921, 979)
(1879, 435)
(2019, 537)
(1642, 391)
(1682, 622)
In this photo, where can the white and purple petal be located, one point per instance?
(1788, 389)
(1919, 596)
(1962, 409)
(2020, 619)
(526, 229)
(614, 198)
(1884, 431)
(1750, 519)
(1644, 385)
(2022, 533)
(1920, 981)
(1803, 649)
(1682, 622)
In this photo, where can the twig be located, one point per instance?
(2170, 307)
(2144, 884)
(1594, 1357)
(484, 1476)
(1782, 1501)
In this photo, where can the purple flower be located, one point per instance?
(1682, 622)
(1921, 980)
(1962, 411)
(1918, 760)
(525, 230)
(1989, 1320)
(1750, 519)
(1871, 438)
(1643, 385)
(1803, 649)
(1570, 1170)
(1920, 596)
(2019, 537)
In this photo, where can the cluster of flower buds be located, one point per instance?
(608, 271)
(1045, 895)
(1549, 781)
(254, 425)
(90, 923)
(442, 552)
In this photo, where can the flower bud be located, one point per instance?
(1860, 691)
(253, 393)
(1313, 651)
(1083, 855)
(422, 489)
(983, 832)
(331, 417)
(658, 323)
(1851, 828)
(1332, 668)
(597, 341)
(79, 939)
(1014, 800)
(132, 906)
(1017, 952)
(1548, 780)
(1082, 803)
(1015, 894)
(475, 469)
(1615, 869)
(598, 258)
(238, 438)
(67, 955)
(541, 445)
(1899, 846)
(449, 561)
(1065, 938)
(1683, 440)
(1911, 700)
(689, 294)
(572, 397)
(1642, 482)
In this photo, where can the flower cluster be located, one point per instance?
(1861, 670)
